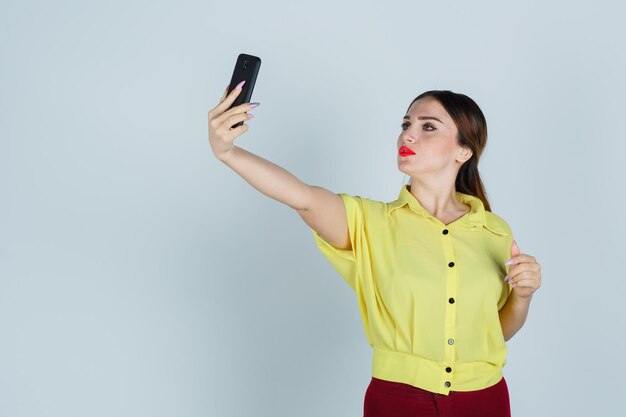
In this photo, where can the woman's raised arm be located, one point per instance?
(320, 208)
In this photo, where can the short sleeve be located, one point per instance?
(504, 255)
(345, 261)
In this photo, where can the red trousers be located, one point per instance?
(395, 399)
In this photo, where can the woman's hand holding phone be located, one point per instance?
(221, 118)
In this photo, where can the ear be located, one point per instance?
(465, 154)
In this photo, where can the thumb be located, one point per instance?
(514, 249)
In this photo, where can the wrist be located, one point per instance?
(519, 299)
(227, 156)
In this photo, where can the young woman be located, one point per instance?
(441, 285)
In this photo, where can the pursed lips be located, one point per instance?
(405, 151)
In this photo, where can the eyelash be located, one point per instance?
(426, 124)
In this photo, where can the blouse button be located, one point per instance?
(445, 231)
(451, 264)
(448, 369)
(447, 384)
(451, 300)
(450, 341)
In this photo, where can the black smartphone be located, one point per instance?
(246, 68)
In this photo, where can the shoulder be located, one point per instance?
(364, 205)
(360, 200)
(497, 224)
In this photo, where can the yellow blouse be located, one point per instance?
(428, 293)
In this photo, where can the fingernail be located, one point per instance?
(253, 105)
(240, 84)
(250, 115)
(507, 277)
(509, 262)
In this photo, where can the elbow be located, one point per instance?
(508, 334)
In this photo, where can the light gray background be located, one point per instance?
(139, 276)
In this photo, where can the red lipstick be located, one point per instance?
(404, 151)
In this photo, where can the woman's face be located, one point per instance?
(430, 132)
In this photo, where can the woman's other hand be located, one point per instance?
(524, 272)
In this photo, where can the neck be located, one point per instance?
(440, 202)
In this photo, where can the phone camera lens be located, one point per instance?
(245, 64)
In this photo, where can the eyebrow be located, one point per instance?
(423, 118)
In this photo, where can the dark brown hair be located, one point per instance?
(472, 127)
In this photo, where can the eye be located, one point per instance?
(405, 125)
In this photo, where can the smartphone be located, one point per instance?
(246, 68)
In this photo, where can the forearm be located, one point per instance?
(513, 314)
(269, 178)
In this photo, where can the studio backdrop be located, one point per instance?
(140, 276)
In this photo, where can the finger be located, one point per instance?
(524, 267)
(236, 118)
(225, 92)
(232, 133)
(225, 101)
(523, 283)
(517, 269)
(228, 100)
(519, 259)
(526, 275)
(518, 282)
(236, 111)
(516, 275)
(223, 124)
